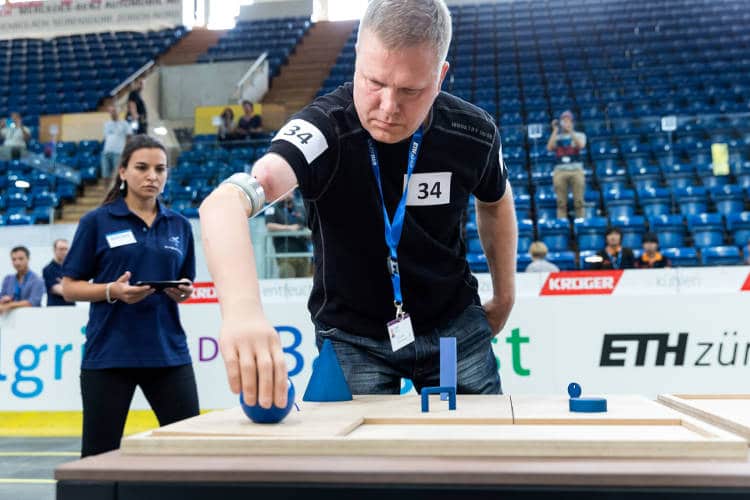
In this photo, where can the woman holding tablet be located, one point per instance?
(134, 336)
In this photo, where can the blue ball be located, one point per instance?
(574, 390)
(272, 415)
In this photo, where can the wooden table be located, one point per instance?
(114, 476)
(523, 447)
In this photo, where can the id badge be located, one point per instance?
(400, 332)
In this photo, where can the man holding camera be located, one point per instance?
(15, 135)
(567, 144)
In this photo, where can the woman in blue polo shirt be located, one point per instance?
(134, 336)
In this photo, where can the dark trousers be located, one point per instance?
(107, 393)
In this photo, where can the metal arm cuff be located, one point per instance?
(251, 188)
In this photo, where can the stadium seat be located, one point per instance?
(691, 200)
(681, 256)
(612, 178)
(590, 233)
(522, 261)
(477, 262)
(721, 256)
(619, 203)
(645, 177)
(679, 176)
(583, 259)
(655, 201)
(554, 233)
(738, 225)
(523, 205)
(546, 205)
(728, 199)
(632, 229)
(707, 230)
(525, 235)
(565, 260)
(670, 229)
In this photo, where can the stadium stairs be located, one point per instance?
(189, 48)
(310, 65)
(92, 197)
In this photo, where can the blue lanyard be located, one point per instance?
(393, 229)
(616, 263)
(17, 291)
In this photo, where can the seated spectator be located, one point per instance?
(568, 174)
(227, 127)
(614, 255)
(52, 274)
(652, 258)
(539, 263)
(250, 125)
(286, 217)
(116, 132)
(15, 135)
(22, 289)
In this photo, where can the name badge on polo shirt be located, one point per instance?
(429, 189)
(400, 332)
(120, 238)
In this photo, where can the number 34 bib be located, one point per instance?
(428, 189)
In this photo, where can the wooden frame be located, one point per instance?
(730, 412)
(482, 426)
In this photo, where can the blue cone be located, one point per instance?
(327, 383)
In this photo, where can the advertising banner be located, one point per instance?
(66, 17)
(642, 332)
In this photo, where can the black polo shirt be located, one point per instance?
(327, 147)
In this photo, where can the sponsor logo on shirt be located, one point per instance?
(582, 283)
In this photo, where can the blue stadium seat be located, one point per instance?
(555, 233)
(474, 245)
(590, 233)
(522, 261)
(546, 205)
(691, 200)
(19, 219)
(728, 199)
(721, 256)
(612, 178)
(565, 260)
(645, 177)
(584, 257)
(670, 229)
(678, 175)
(478, 262)
(681, 256)
(525, 235)
(707, 230)
(619, 203)
(632, 229)
(738, 225)
(523, 205)
(655, 201)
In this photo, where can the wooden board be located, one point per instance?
(728, 411)
(482, 426)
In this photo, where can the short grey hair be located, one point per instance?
(409, 23)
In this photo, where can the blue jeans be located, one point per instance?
(110, 162)
(371, 367)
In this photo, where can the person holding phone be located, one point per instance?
(134, 336)
(567, 144)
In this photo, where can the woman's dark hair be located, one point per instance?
(227, 114)
(134, 143)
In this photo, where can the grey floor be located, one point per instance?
(18, 463)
